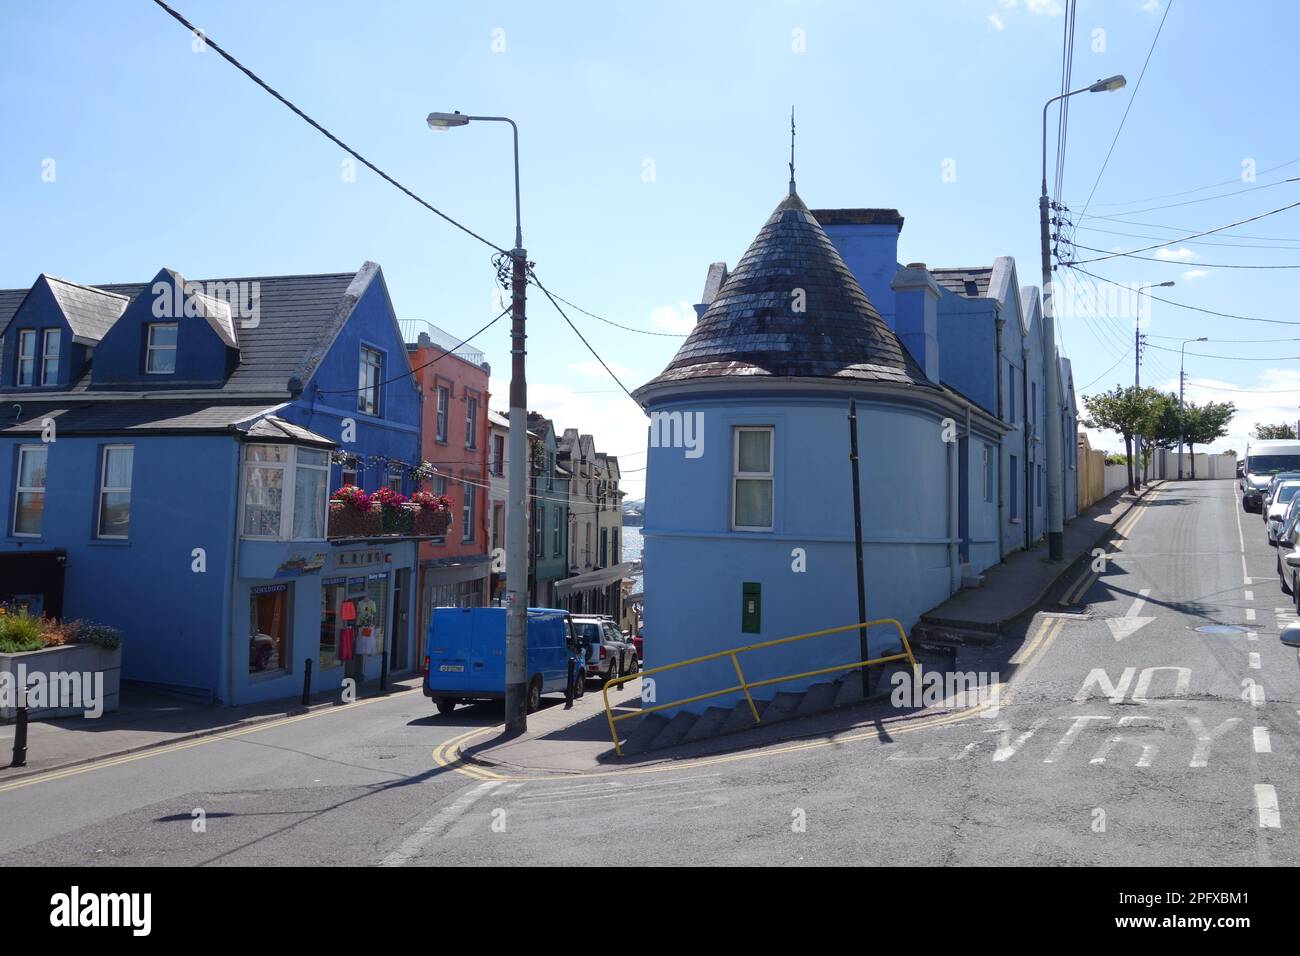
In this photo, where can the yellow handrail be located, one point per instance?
(744, 685)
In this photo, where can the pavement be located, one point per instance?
(147, 718)
(1020, 581)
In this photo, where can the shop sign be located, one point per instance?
(359, 559)
(301, 564)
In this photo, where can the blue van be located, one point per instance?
(465, 657)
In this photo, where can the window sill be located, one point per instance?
(109, 542)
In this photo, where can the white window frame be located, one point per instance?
(738, 475)
(20, 489)
(105, 489)
(393, 478)
(443, 400)
(471, 420)
(556, 551)
(48, 336)
(150, 348)
(28, 335)
(467, 518)
(372, 361)
(289, 467)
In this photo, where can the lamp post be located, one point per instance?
(1055, 511)
(516, 515)
(1137, 363)
(1182, 428)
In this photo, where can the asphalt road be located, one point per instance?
(1123, 735)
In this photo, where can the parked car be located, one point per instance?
(1264, 460)
(608, 655)
(1279, 501)
(1288, 539)
(465, 656)
(637, 644)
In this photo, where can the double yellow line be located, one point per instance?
(448, 753)
(1123, 528)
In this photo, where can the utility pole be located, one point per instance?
(1052, 370)
(516, 455)
(863, 646)
(1182, 427)
(1137, 367)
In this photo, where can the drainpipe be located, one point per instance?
(998, 322)
(954, 568)
(1029, 471)
(231, 615)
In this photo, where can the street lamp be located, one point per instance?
(1182, 428)
(1137, 361)
(1055, 465)
(516, 513)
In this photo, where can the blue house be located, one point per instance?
(751, 416)
(167, 454)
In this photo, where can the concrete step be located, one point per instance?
(817, 698)
(782, 707)
(848, 690)
(676, 730)
(644, 732)
(709, 724)
(741, 718)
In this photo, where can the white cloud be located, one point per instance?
(997, 23)
(678, 319)
(1051, 8)
(1196, 273)
(596, 370)
(1006, 4)
(1150, 6)
(1181, 254)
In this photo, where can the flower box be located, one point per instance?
(347, 521)
(432, 522)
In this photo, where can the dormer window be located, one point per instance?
(372, 366)
(26, 357)
(160, 349)
(50, 357)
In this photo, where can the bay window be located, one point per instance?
(286, 490)
(752, 478)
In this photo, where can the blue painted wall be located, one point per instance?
(182, 497)
(695, 566)
(40, 311)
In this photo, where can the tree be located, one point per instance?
(1162, 426)
(1265, 432)
(1205, 423)
(1126, 410)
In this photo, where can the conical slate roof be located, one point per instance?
(752, 329)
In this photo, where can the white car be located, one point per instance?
(1276, 507)
(609, 654)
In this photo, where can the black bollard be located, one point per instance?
(383, 672)
(20, 735)
(568, 687)
(306, 682)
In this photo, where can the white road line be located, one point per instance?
(1250, 595)
(441, 821)
(1252, 636)
(1241, 540)
(1266, 805)
(1250, 614)
(1263, 745)
(1253, 658)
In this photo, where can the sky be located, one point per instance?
(654, 140)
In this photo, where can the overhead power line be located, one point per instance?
(1133, 96)
(1171, 242)
(1183, 262)
(1184, 305)
(1198, 189)
(208, 41)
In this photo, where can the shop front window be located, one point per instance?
(269, 628)
(371, 612)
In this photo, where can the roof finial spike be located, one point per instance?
(792, 150)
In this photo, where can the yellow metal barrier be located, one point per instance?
(744, 685)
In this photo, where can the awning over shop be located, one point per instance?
(597, 579)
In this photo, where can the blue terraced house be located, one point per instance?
(167, 453)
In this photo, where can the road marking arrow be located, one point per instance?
(1130, 623)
